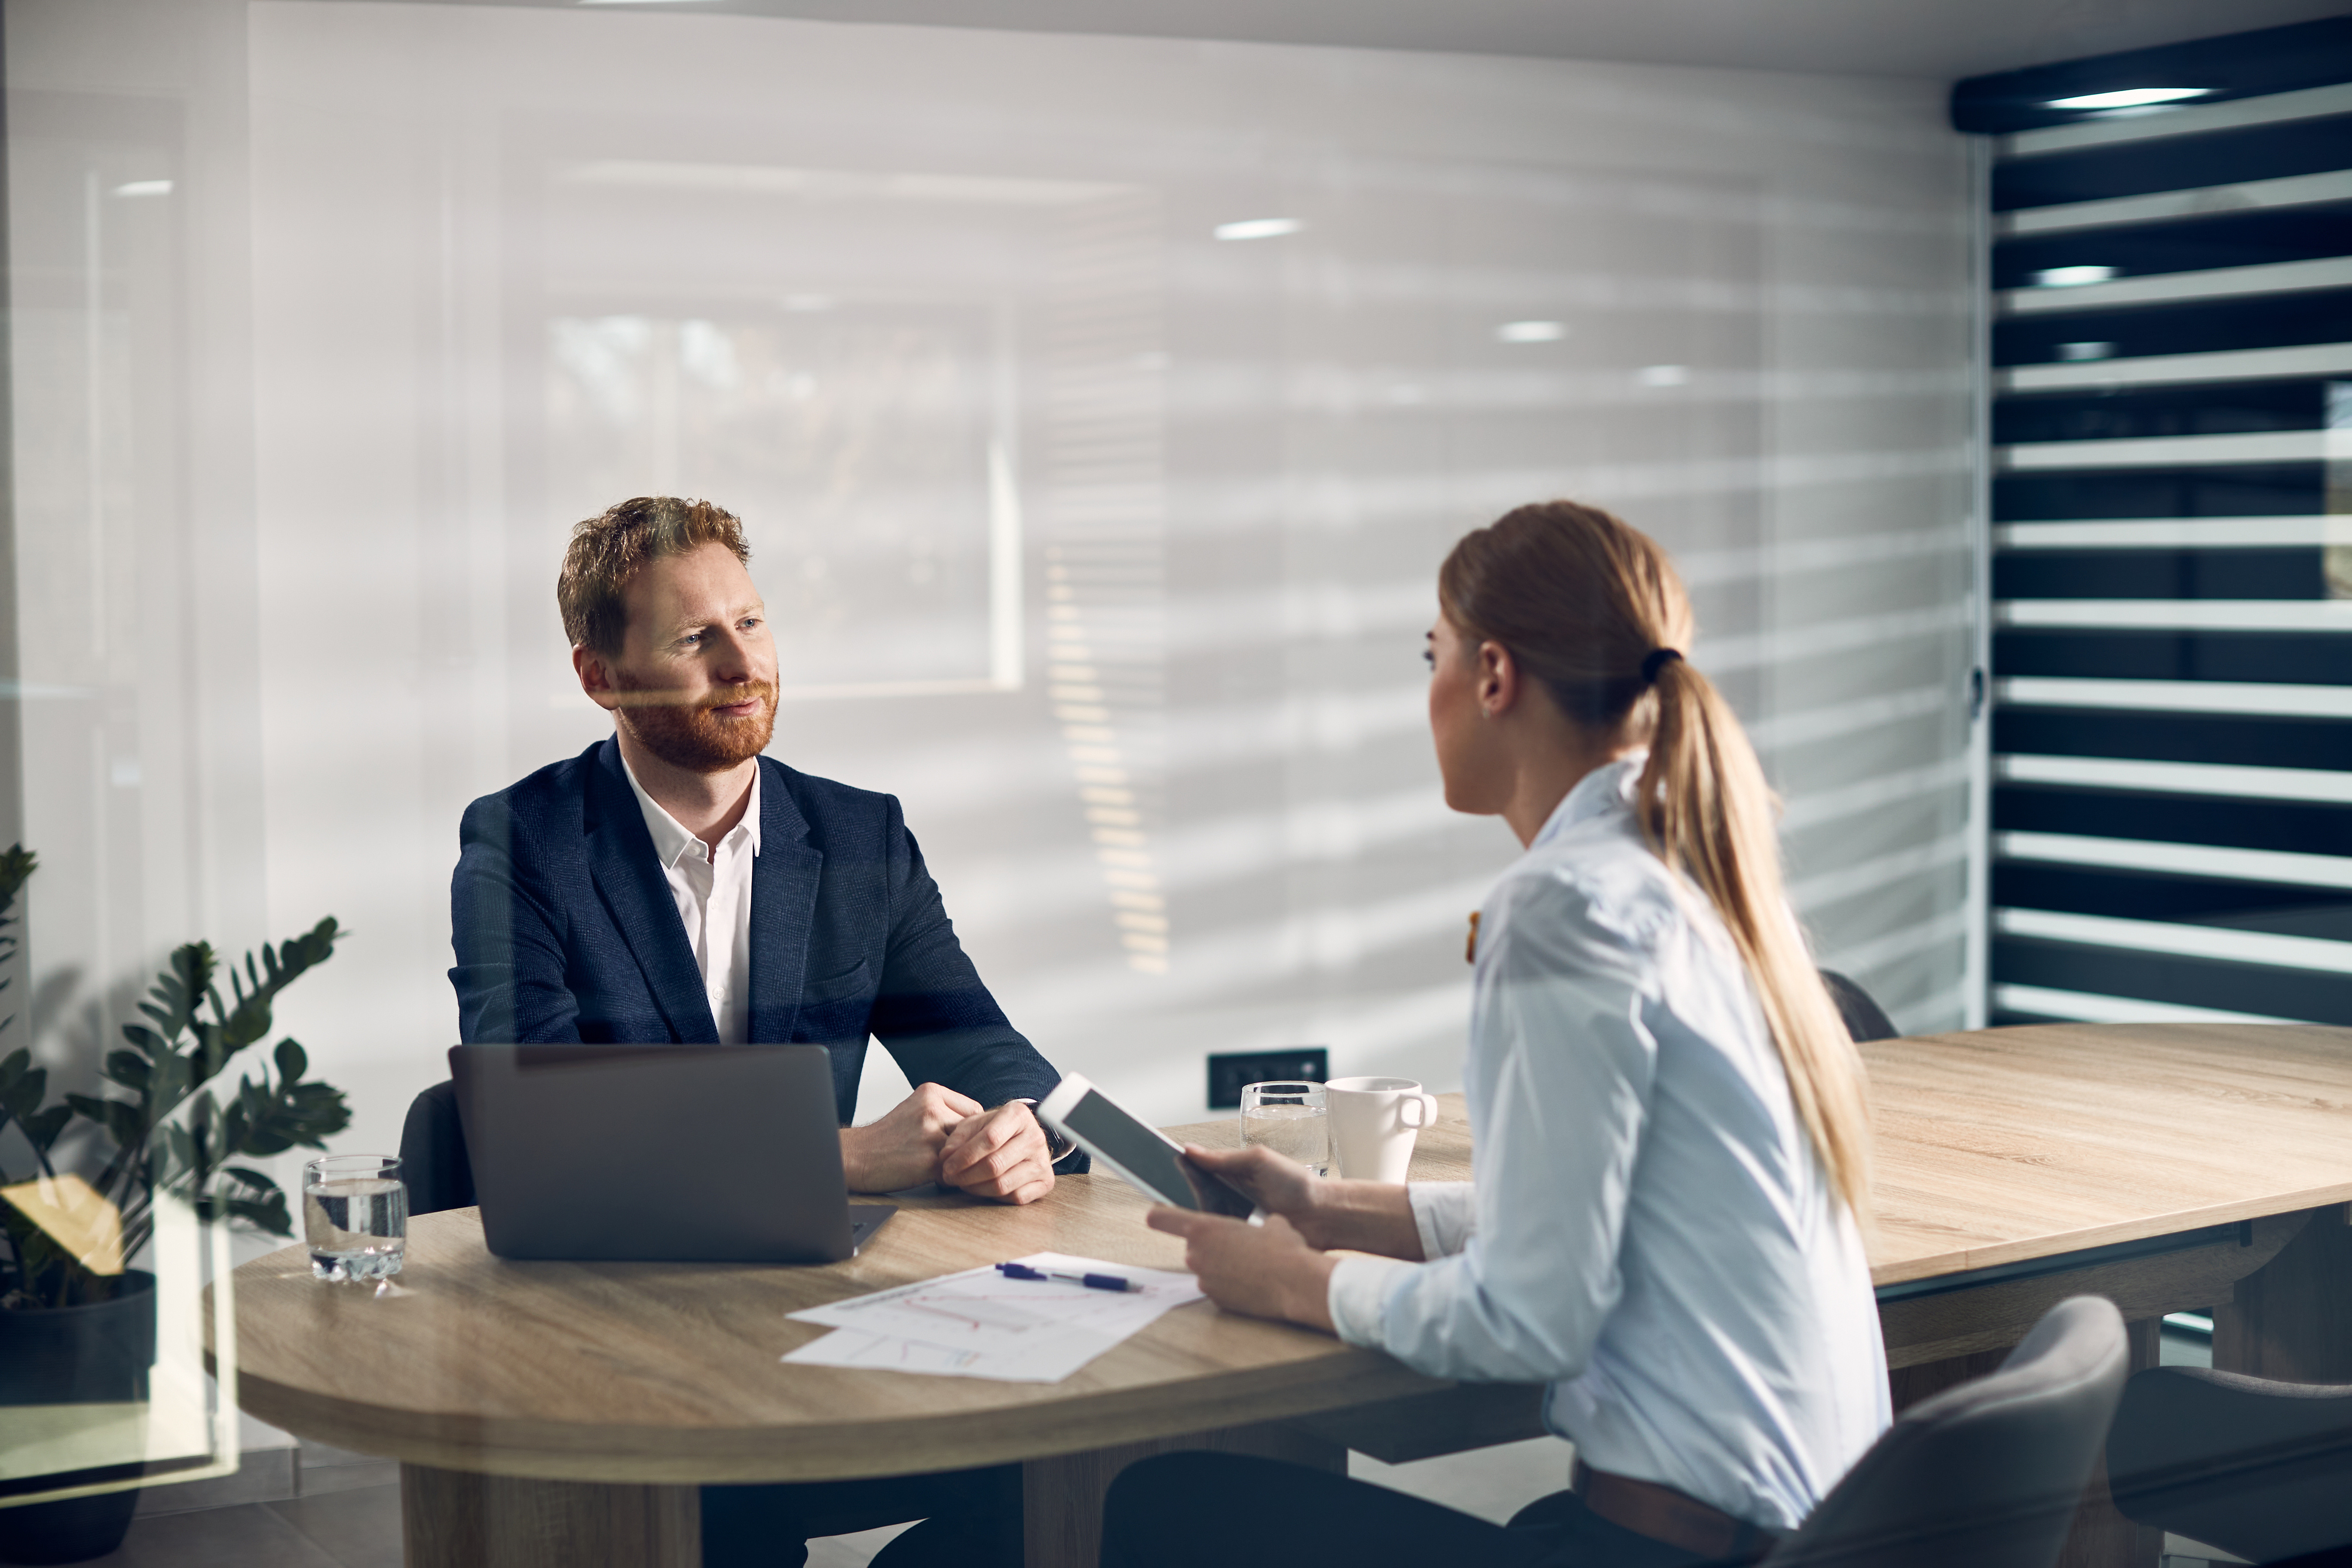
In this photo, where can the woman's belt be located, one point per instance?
(1661, 1513)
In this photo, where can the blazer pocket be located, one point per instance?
(855, 980)
(838, 1006)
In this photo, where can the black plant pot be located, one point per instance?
(74, 1529)
(98, 1353)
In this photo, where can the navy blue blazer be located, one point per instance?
(564, 930)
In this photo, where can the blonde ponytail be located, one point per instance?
(1594, 611)
(1707, 810)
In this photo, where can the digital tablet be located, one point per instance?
(1149, 1159)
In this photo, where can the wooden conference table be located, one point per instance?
(561, 1414)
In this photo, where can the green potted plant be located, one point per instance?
(77, 1322)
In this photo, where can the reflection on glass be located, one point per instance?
(854, 439)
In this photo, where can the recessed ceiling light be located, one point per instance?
(1663, 374)
(2071, 276)
(1530, 332)
(2129, 98)
(145, 188)
(1259, 228)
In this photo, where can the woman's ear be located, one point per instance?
(1498, 680)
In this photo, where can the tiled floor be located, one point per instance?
(355, 1529)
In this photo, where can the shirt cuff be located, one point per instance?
(1444, 1213)
(1359, 1287)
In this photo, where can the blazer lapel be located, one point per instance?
(629, 878)
(784, 908)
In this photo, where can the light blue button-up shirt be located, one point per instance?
(1649, 1230)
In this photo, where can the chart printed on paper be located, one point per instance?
(980, 1324)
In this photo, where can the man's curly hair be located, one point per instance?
(608, 550)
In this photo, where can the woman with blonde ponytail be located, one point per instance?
(1671, 1129)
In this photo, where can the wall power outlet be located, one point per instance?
(1229, 1072)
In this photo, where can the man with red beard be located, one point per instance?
(672, 884)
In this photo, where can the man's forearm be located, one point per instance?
(867, 1168)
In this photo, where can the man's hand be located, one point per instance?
(1264, 1270)
(1002, 1153)
(903, 1149)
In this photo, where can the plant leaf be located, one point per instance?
(22, 1098)
(145, 1039)
(43, 1126)
(263, 1213)
(292, 1059)
(128, 1069)
(18, 865)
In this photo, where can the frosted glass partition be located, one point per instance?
(1100, 410)
(182, 1430)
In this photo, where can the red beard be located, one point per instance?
(691, 736)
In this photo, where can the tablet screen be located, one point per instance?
(1128, 1143)
(1152, 1161)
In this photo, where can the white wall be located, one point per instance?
(942, 314)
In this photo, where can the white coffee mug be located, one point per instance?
(1374, 1122)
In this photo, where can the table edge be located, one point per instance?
(2062, 1244)
(896, 1445)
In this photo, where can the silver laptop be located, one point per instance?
(658, 1153)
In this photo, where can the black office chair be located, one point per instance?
(1989, 1472)
(432, 1160)
(1864, 1019)
(2261, 1469)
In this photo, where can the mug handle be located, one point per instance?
(1418, 1109)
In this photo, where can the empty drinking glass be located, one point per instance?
(354, 1215)
(1289, 1118)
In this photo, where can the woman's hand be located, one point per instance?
(1366, 1216)
(1264, 1270)
(1275, 1184)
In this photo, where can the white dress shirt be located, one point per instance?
(1649, 1230)
(713, 894)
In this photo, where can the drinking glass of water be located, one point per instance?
(1288, 1118)
(354, 1216)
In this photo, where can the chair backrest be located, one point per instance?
(2261, 1469)
(1864, 1019)
(433, 1159)
(1989, 1472)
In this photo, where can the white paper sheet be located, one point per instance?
(980, 1324)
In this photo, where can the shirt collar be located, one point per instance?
(1608, 788)
(669, 834)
